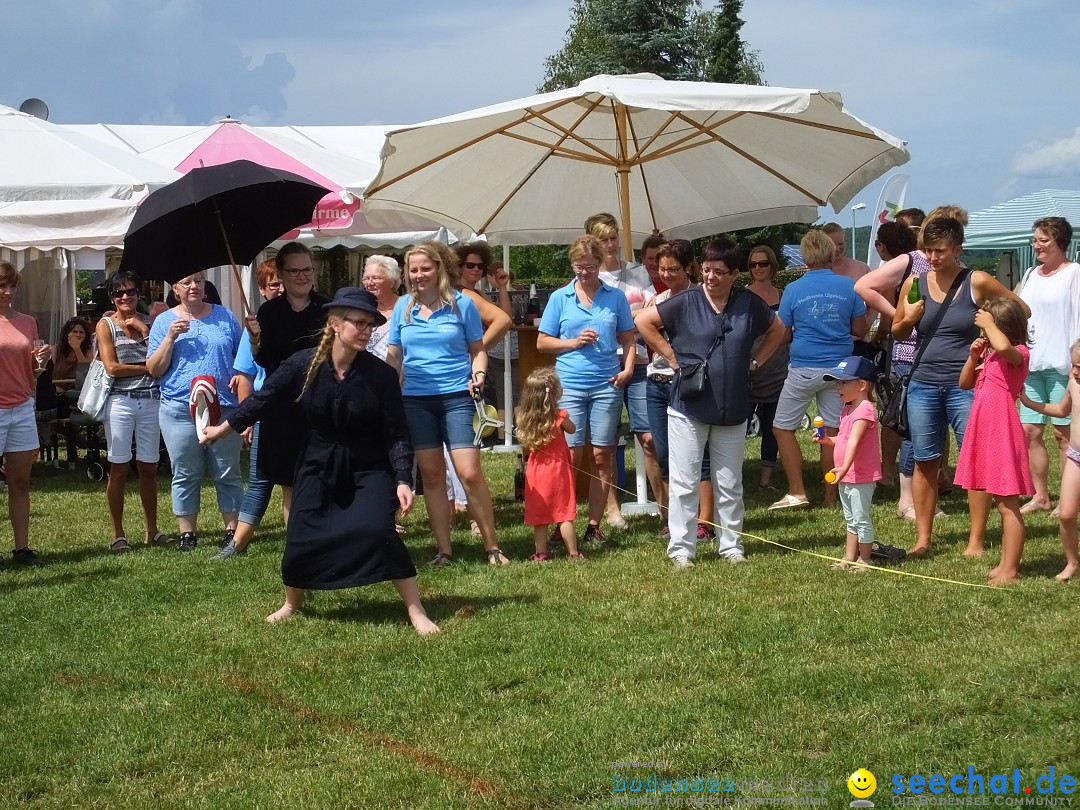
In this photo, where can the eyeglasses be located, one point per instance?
(756, 265)
(275, 285)
(1041, 242)
(473, 265)
(293, 272)
(716, 271)
(360, 325)
(583, 268)
(128, 293)
(669, 269)
(192, 282)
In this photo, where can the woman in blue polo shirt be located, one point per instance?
(436, 342)
(585, 323)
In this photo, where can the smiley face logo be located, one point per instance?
(862, 784)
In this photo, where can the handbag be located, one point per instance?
(95, 391)
(694, 377)
(894, 414)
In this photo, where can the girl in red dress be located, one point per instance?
(993, 459)
(549, 475)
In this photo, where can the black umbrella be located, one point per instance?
(216, 215)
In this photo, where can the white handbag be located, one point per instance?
(95, 391)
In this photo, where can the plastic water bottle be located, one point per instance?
(819, 428)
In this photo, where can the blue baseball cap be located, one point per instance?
(853, 368)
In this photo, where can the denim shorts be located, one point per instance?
(635, 398)
(18, 429)
(440, 419)
(596, 410)
(931, 410)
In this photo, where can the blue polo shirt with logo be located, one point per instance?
(564, 317)
(435, 350)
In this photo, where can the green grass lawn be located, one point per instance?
(150, 679)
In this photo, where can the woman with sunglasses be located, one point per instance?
(768, 381)
(285, 325)
(131, 409)
(712, 328)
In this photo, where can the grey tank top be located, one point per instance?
(947, 351)
(130, 352)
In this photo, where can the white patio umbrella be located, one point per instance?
(687, 159)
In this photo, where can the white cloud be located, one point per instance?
(1058, 157)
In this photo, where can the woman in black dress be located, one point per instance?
(356, 468)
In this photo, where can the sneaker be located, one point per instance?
(735, 559)
(188, 541)
(542, 557)
(26, 556)
(681, 563)
(594, 535)
(704, 532)
(227, 537)
(230, 550)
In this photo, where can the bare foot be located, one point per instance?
(1002, 579)
(974, 550)
(993, 572)
(1067, 572)
(281, 614)
(919, 553)
(423, 625)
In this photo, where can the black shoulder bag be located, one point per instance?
(694, 377)
(894, 412)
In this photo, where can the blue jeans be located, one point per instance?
(259, 489)
(596, 410)
(906, 464)
(636, 398)
(191, 461)
(931, 410)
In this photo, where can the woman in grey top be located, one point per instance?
(132, 407)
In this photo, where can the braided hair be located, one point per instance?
(322, 352)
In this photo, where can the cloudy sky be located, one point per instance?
(985, 92)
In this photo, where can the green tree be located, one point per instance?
(725, 57)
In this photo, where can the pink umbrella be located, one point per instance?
(231, 140)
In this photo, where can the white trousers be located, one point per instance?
(687, 439)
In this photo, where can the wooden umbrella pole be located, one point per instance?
(623, 169)
(232, 262)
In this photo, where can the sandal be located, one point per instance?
(790, 502)
(441, 559)
(474, 528)
(840, 565)
(496, 557)
(120, 544)
(160, 539)
(540, 557)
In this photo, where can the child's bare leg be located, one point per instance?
(851, 547)
(1067, 505)
(979, 510)
(410, 595)
(864, 552)
(566, 531)
(294, 600)
(540, 536)
(1012, 542)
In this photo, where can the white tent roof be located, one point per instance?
(43, 161)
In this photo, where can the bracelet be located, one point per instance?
(478, 373)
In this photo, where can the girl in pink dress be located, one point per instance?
(993, 459)
(549, 475)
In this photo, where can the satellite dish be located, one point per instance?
(35, 107)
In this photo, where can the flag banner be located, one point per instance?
(890, 201)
